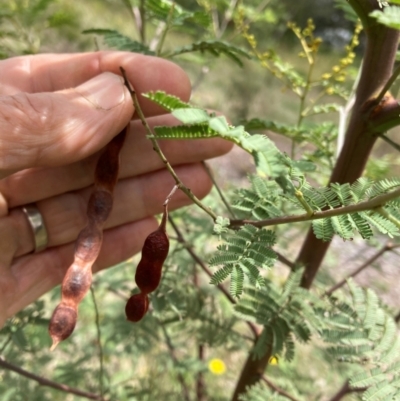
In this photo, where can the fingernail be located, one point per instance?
(104, 91)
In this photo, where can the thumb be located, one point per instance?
(57, 128)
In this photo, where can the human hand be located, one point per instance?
(57, 112)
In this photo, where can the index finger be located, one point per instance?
(53, 72)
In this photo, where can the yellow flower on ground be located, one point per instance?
(273, 360)
(217, 366)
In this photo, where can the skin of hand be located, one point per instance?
(57, 112)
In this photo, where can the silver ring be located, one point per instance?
(36, 222)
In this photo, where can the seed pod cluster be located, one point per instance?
(148, 272)
(78, 277)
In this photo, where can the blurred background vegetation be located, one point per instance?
(191, 323)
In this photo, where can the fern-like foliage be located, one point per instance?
(268, 159)
(261, 392)
(117, 40)
(286, 314)
(215, 48)
(389, 16)
(168, 102)
(166, 10)
(266, 199)
(242, 254)
(362, 332)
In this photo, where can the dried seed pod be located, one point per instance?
(78, 277)
(136, 307)
(149, 269)
(154, 253)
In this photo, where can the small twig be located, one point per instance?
(389, 83)
(285, 261)
(390, 142)
(198, 260)
(161, 41)
(359, 207)
(49, 383)
(6, 342)
(101, 358)
(227, 18)
(171, 350)
(158, 150)
(220, 193)
(346, 389)
(200, 384)
(388, 247)
(278, 389)
(170, 195)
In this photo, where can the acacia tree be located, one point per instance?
(250, 226)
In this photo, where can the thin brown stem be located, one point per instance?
(388, 85)
(49, 383)
(390, 142)
(220, 193)
(158, 150)
(285, 260)
(388, 247)
(278, 389)
(172, 352)
(373, 203)
(203, 266)
(100, 347)
(344, 390)
(200, 384)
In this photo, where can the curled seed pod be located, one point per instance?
(136, 307)
(154, 253)
(78, 277)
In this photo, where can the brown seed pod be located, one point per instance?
(149, 269)
(154, 253)
(136, 307)
(78, 277)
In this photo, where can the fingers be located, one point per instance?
(137, 157)
(36, 274)
(43, 128)
(55, 72)
(134, 199)
(50, 129)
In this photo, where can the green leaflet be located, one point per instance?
(389, 16)
(168, 102)
(242, 254)
(116, 40)
(215, 48)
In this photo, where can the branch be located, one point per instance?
(176, 362)
(200, 384)
(285, 260)
(346, 389)
(101, 357)
(388, 85)
(278, 389)
(49, 383)
(158, 150)
(388, 247)
(373, 203)
(199, 261)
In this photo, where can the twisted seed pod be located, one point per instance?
(78, 277)
(148, 272)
